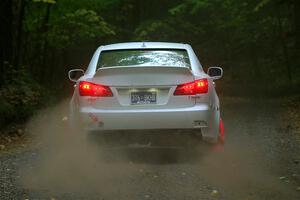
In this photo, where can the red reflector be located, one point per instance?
(197, 87)
(94, 90)
(222, 131)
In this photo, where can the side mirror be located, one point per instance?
(75, 74)
(215, 72)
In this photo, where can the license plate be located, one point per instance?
(143, 98)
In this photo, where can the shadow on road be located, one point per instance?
(164, 147)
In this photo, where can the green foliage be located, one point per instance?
(261, 4)
(80, 25)
(19, 97)
(179, 9)
(67, 29)
(154, 31)
(253, 40)
(46, 1)
(244, 36)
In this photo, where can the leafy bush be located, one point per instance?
(19, 97)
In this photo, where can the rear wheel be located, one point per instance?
(220, 138)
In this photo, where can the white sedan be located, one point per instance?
(147, 85)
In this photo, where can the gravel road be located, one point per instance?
(260, 160)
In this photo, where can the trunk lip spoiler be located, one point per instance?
(107, 73)
(139, 66)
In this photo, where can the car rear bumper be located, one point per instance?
(200, 116)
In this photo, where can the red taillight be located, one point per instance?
(197, 87)
(94, 90)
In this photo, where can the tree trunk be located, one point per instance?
(297, 31)
(18, 56)
(5, 37)
(284, 47)
(44, 31)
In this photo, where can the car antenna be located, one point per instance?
(143, 45)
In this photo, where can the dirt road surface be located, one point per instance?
(261, 160)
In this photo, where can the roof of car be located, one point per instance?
(144, 45)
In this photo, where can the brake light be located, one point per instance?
(94, 90)
(197, 87)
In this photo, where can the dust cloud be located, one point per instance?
(243, 174)
(69, 162)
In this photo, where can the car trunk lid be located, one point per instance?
(142, 76)
(143, 87)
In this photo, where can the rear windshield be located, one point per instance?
(144, 57)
